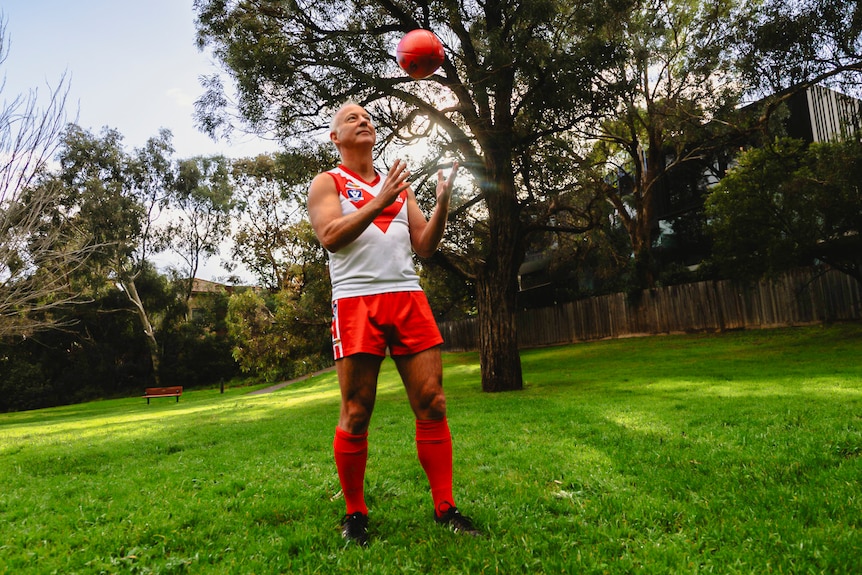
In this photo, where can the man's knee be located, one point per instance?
(355, 418)
(356, 414)
(431, 403)
(437, 407)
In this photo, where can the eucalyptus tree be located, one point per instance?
(681, 91)
(269, 204)
(200, 198)
(518, 76)
(116, 198)
(263, 218)
(790, 45)
(286, 333)
(274, 240)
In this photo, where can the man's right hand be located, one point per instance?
(336, 230)
(396, 182)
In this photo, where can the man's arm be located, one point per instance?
(425, 235)
(336, 230)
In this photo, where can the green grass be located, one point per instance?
(736, 453)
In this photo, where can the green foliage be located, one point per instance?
(102, 353)
(787, 44)
(23, 384)
(789, 204)
(737, 454)
(280, 336)
(201, 202)
(249, 323)
(196, 346)
(286, 333)
(271, 240)
(113, 194)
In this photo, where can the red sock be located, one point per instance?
(434, 446)
(351, 455)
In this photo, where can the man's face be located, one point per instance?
(353, 126)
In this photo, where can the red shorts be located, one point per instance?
(401, 321)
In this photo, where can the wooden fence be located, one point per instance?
(804, 296)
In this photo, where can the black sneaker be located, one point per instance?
(457, 522)
(354, 527)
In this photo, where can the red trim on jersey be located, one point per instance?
(358, 196)
(360, 178)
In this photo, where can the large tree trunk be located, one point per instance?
(498, 340)
(132, 291)
(640, 228)
(497, 294)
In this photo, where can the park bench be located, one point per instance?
(175, 391)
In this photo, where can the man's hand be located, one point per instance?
(444, 186)
(425, 234)
(396, 182)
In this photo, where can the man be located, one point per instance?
(369, 223)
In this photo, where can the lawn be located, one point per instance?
(731, 453)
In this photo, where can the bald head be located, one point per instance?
(350, 123)
(333, 123)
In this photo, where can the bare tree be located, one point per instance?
(37, 254)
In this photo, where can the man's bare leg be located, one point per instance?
(357, 376)
(422, 374)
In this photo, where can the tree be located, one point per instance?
(788, 47)
(116, 198)
(37, 253)
(270, 201)
(200, 200)
(250, 326)
(788, 204)
(263, 217)
(286, 333)
(518, 77)
(305, 304)
(278, 335)
(680, 92)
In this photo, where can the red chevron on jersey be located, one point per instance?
(359, 197)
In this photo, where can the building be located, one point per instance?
(816, 114)
(819, 114)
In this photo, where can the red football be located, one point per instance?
(420, 53)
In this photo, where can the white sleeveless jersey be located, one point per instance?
(380, 260)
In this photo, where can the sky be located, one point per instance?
(132, 65)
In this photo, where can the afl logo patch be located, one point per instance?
(354, 193)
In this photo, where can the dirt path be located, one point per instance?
(278, 386)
